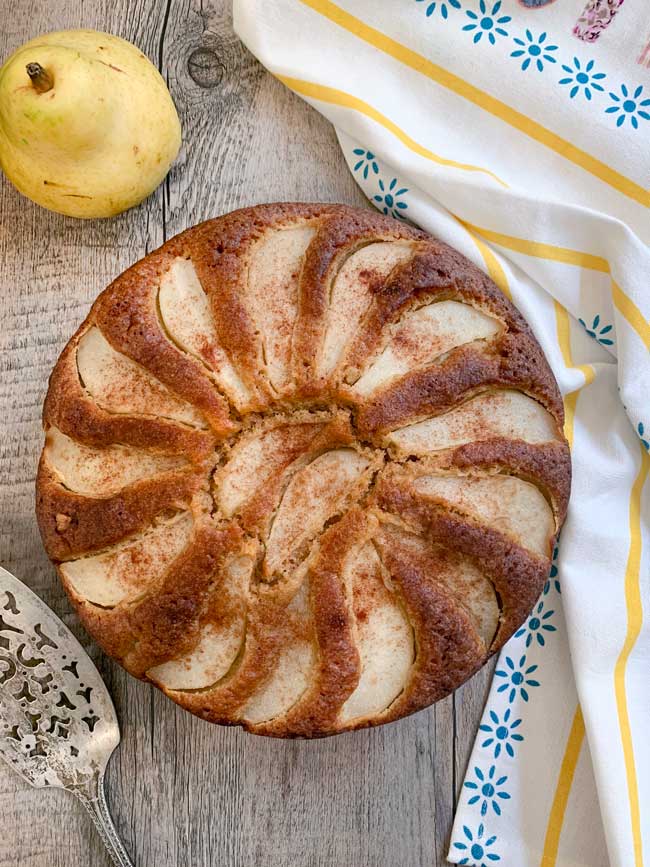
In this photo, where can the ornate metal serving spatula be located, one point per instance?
(57, 722)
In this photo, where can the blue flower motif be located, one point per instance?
(487, 790)
(630, 106)
(534, 49)
(596, 331)
(387, 201)
(537, 624)
(517, 678)
(477, 847)
(584, 80)
(640, 429)
(488, 22)
(502, 733)
(552, 576)
(441, 5)
(367, 161)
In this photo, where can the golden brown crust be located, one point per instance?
(546, 465)
(73, 524)
(70, 409)
(307, 435)
(126, 315)
(220, 250)
(268, 624)
(166, 621)
(512, 361)
(435, 272)
(234, 490)
(449, 648)
(517, 573)
(347, 231)
(338, 665)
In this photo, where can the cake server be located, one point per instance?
(58, 726)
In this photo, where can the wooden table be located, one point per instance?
(184, 792)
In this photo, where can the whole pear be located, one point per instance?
(87, 125)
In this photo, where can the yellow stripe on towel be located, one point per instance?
(623, 303)
(628, 310)
(634, 623)
(494, 267)
(577, 732)
(562, 325)
(634, 608)
(563, 789)
(331, 95)
(544, 251)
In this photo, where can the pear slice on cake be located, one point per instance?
(87, 125)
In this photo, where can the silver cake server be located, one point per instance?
(57, 722)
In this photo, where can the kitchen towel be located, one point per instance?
(519, 132)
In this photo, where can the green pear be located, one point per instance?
(87, 125)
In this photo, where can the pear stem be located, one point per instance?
(40, 78)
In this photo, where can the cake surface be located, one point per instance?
(303, 470)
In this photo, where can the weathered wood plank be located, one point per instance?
(51, 268)
(184, 792)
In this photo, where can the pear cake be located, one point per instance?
(304, 468)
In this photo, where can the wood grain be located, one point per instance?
(184, 792)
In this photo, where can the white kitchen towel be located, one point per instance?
(519, 132)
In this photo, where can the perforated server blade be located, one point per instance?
(58, 726)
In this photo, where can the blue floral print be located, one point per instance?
(366, 162)
(582, 79)
(442, 6)
(552, 580)
(476, 847)
(596, 331)
(629, 106)
(487, 23)
(388, 202)
(501, 734)
(641, 432)
(487, 790)
(534, 50)
(517, 678)
(537, 624)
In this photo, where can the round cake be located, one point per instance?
(304, 469)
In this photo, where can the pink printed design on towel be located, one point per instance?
(644, 57)
(535, 4)
(596, 17)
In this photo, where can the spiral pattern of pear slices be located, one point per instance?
(304, 469)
